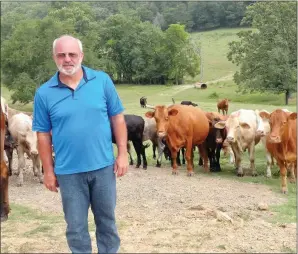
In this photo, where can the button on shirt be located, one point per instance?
(79, 120)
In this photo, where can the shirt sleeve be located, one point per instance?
(41, 117)
(114, 104)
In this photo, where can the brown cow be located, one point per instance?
(182, 126)
(4, 203)
(223, 105)
(282, 141)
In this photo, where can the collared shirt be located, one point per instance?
(79, 120)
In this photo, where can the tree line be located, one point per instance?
(147, 42)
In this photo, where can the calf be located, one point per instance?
(20, 127)
(4, 200)
(223, 105)
(189, 103)
(150, 133)
(135, 129)
(143, 102)
(282, 141)
(245, 129)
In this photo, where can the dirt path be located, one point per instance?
(158, 212)
(178, 89)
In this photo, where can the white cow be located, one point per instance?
(20, 127)
(245, 129)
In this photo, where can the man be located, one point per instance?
(75, 106)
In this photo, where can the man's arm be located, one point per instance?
(120, 133)
(44, 140)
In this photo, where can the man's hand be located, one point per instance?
(50, 181)
(121, 165)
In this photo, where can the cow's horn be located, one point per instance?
(150, 106)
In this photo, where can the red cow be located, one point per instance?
(282, 141)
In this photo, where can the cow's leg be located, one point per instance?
(21, 165)
(37, 166)
(183, 155)
(292, 171)
(160, 147)
(143, 152)
(251, 151)
(188, 157)
(269, 164)
(200, 161)
(217, 156)
(174, 161)
(154, 150)
(204, 155)
(129, 153)
(138, 147)
(238, 158)
(4, 192)
(283, 173)
(178, 158)
(9, 153)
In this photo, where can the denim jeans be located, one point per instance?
(79, 191)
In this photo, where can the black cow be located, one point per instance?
(143, 102)
(135, 128)
(213, 144)
(188, 103)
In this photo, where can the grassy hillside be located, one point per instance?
(214, 52)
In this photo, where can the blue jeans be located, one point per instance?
(79, 191)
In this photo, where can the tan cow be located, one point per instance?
(245, 129)
(20, 127)
(282, 141)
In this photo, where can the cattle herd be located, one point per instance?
(173, 130)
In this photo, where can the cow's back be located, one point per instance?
(19, 122)
(190, 121)
(149, 128)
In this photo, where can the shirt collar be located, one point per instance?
(56, 82)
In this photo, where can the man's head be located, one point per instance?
(68, 54)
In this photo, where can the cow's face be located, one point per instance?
(278, 121)
(233, 127)
(162, 116)
(29, 141)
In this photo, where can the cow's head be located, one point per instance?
(29, 140)
(278, 121)
(233, 126)
(194, 104)
(162, 115)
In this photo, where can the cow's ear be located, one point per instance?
(292, 116)
(173, 112)
(220, 125)
(264, 115)
(149, 114)
(245, 125)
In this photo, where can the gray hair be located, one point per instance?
(79, 42)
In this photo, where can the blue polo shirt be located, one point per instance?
(79, 120)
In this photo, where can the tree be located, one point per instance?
(267, 56)
(182, 55)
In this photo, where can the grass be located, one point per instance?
(214, 52)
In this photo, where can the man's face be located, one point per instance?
(68, 56)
